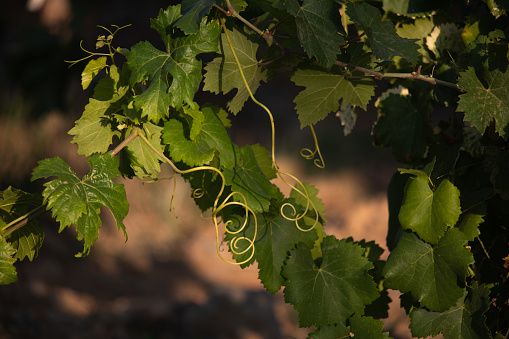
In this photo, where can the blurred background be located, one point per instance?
(166, 281)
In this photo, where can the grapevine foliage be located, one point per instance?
(449, 223)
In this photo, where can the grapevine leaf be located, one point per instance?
(463, 320)
(150, 64)
(194, 118)
(324, 90)
(404, 127)
(264, 161)
(330, 292)
(155, 101)
(7, 269)
(429, 212)
(317, 28)
(223, 73)
(193, 153)
(382, 37)
(430, 272)
(412, 7)
(192, 14)
(145, 161)
(367, 327)
(93, 132)
(77, 201)
(164, 22)
(276, 236)
(469, 225)
(331, 332)
(248, 179)
(28, 239)
(486, 100)
(213, 136)
(93, 67)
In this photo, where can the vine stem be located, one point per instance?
(23, 220)
(267, 35)
(131, 137)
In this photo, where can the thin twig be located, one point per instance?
(378, 75)
(127, 140)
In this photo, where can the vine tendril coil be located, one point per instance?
(280, 174)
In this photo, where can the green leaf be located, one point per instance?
(430, 272)
(367, 327)
(145, 162)
(94, 131)
(330, 292)
(151, 65)
(382, 37)
(193, 153)
(192, 14)
(7, 269)
(331, 332)
(318, 23)
(77, 201)
(404, 127)
(463, 320)
(486, 100)
(264, 161)
(213, 136)
(429, 212)
(155, 101)
(194, 118)
(93, 67)
(248, 179)
(324, 90)
(27, 240)
(469, 225)
(413, 7)
(312, 192)
(223, 75)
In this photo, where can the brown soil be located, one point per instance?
(166, 281)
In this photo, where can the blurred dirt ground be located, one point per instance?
(166, 281)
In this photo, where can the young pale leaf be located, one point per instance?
(430, 273)
(248, 179)
(485, 101)
(7, 269)
(223, 73)
(28, 239)
(276, 236)
(382, 37)
(429, 212)
(192, 14)
(93, 132)
(404, 127)
(324, 90)
(150, 64)
(146, 163)
(331, 292)
(463, 320)
(74, 200)
(93, 67)
(317, 28)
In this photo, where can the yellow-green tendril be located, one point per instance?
(101, 41)
(296, 217)
(306, 153)
(216, 209)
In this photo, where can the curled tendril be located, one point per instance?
(198, 193)
(217, 207)
(296, 217)
(101, 41)
(306, 153)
